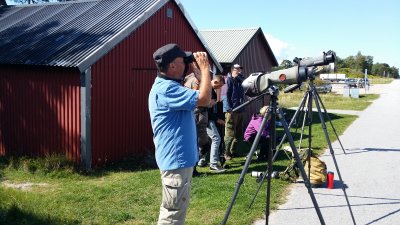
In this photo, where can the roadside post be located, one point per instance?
(365, 81)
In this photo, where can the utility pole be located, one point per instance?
(365, 81)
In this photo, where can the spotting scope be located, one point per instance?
(258, 83)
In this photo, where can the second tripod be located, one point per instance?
(272, 113)
(306, 103)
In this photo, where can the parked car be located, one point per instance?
(324, 87)
(362, 82)
(351, 82)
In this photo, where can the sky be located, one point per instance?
(309, 27)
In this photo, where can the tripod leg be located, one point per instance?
(258, 188)
(305, 99)
(304, 121)
(301, 106)
(330, 121)
(310, 115)
(301, 168)
(332, 152)
(272, 146)
(247, 164)
(296, 114)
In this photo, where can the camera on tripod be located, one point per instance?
(258, 83)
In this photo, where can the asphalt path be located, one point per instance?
(369, 170)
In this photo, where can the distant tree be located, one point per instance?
(395, 72)
(362, 62)
(384, 70)
(356, 64)
(349, 62)
(3, 2)
(369, 62)
(380, 69)
(339, 63)
(286, 64)
(359, 62)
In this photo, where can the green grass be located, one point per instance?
(380, 80)
(130, 192)
(330, 100)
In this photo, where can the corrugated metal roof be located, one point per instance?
(67, 34)
(226, 44)
(70, 34)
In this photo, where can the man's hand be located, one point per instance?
(201, 60)
(205, 84)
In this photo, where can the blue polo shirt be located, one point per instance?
(171, 108)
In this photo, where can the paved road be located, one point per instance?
(370, 170)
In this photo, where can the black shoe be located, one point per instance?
(202, 163)
(195, 172)
(217, 169)
(261, 158)
(235, 155)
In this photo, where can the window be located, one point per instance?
(169, 13)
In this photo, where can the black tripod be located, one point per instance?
(273, 111)
(308, 97)
(311, 94)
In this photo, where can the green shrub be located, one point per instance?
(49, 164)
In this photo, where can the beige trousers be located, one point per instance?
(176, 186)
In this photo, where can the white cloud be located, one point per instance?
(280, 48)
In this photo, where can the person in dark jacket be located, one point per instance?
(233, 120)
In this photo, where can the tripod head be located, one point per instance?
(308, 68)
(272, 91)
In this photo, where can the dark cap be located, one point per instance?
(237, 66)
(168, 53)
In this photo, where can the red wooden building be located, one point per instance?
(247, 47)
(75, 76)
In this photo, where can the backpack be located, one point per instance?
(318, 171)
(292, 172)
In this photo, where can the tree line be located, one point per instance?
(356, 66)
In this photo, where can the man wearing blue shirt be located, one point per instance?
(171, 108)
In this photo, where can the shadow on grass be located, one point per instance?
(315, 117)
(17, 216)
(236, 165)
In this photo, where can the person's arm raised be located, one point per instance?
(205, 84)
